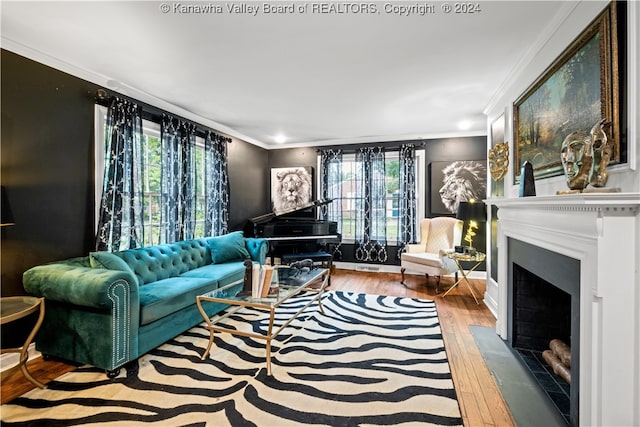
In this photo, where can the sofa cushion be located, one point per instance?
(163, 297)
(110, 261)
(221, 273)
(227, 248)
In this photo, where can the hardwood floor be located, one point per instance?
(480, 400)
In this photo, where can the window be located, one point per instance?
(152, 175)
(350, 204)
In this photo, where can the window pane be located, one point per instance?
(350, 204)
(152, 187)
(151, 159)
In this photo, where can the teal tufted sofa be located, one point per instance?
(107, 309)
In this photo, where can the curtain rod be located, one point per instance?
(352, 148)
(152, 113)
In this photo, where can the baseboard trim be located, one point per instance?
(9, 361)
(489, 299)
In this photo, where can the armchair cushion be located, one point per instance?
(423, 258)
(441, 234)
(437, 235)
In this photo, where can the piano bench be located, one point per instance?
(323, 258)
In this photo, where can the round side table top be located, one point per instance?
(14, 308)
(478, 257)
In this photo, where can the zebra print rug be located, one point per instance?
(369, 360)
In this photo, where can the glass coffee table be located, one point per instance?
(291, 282)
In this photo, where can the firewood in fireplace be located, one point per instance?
(562, 350)
(557, 366)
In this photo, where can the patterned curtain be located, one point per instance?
(331, 188)
(178, 199)
(407, 197)
(120, 223)
(216, 185)
(371, 227)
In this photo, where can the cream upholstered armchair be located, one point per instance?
(437, 235)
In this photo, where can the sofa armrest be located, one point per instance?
(83, 286)
(258, 248)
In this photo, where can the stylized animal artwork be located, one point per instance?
(291, 188)
(463, 181)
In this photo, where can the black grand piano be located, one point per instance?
(294, 233)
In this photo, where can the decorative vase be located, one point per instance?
(527, 182)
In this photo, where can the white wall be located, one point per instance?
(555, 38)
(562, 30)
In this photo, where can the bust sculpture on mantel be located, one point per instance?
(585, 158)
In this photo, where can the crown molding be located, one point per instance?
(116, 86)
(525, 61)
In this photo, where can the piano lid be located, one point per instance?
(269, 216)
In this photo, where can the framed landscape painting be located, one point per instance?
(575, 93)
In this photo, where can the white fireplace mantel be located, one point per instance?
(602, 231)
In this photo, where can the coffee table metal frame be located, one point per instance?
(269, 304)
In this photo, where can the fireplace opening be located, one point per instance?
(542, 320)
(543, 325)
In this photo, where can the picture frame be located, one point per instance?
(291, 188)
(578, 90)
(455, 181)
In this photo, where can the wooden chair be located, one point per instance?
(437, 235)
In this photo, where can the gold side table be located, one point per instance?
(478, 258)
(14, 308)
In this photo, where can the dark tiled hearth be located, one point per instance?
(558, 390)
(529, 405)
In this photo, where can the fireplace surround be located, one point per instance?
(600, 233)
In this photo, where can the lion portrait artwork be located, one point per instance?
(291, 188)
(461, 181)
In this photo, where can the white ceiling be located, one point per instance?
(318, 78)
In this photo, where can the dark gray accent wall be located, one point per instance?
(452, 149)
(249, 183)
(294, 157)
(48, 168)
(436, 150)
